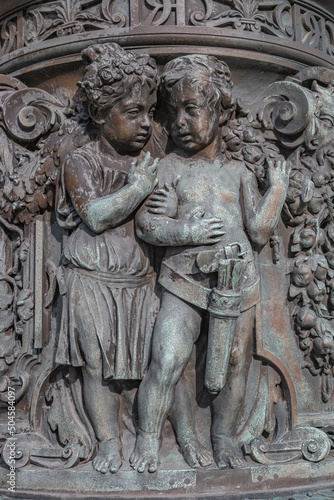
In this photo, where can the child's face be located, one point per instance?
(193, 124)
(127, 125)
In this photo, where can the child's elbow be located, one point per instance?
(142, 231)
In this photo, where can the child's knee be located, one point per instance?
(169, 366)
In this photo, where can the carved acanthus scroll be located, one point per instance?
(300, 112)
(28, 172)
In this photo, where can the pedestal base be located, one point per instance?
(303, 479)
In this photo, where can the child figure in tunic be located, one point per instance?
(110, 303)
(215, 214)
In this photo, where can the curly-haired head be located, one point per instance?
(111, 73)
(210, 77)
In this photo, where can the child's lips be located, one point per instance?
(185, 136)
(142, 137)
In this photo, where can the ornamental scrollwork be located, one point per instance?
(300, 112)
(59, 18)
(67, 17)
(30, 121)
(247, 15)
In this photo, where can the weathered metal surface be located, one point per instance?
(299, 31)
(181, 204)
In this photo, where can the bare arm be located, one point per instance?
(103, 212)
(262, 215)
(164, 231)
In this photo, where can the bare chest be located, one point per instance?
(209, 185)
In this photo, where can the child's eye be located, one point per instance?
(133, 112)
(191, 108)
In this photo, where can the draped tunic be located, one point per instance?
(106, 279)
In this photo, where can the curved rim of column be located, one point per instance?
(169, 40)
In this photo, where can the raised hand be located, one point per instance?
(163, 202)
(278, 171)
(205, 231)
(143, 175)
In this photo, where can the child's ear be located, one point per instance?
(97, 115)
(225, 115)
(222, 119)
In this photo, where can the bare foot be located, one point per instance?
(109, 456)
(226, 453)
(194, 453)
(146, 452)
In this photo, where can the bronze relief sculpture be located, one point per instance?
(209, 263)
(166, 251)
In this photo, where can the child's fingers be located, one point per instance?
(160, 193)
(151, 203)
(152, 168)
(157, 211)
(144, 164)
(270, 163)
(214, 240)
(216, 233)
(133, 167)
(215, 220)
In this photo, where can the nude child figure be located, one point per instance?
(214, 212)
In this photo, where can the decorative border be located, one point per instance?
(292, 23)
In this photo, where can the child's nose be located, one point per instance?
(146, 122)
(180, 120)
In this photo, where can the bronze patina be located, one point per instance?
(167, 249)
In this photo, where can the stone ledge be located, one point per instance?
(83, 482)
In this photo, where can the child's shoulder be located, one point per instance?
(238, 166)
(81, 160)
(86, 150)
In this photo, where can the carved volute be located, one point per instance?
(166, 248)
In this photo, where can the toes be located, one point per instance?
(134, 461)
(134, 464)
(100, 465)
(235, 462)
(97, 464)
(116, 464)
(190, 458)
(150, 463)
(142, 466)
(154, 466)
(194, 463)
(222, 463)
(205, 459)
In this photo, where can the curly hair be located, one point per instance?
(111, 73)
(210, 77)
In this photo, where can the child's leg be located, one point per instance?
(102, 404)
(227, 404)
(176, 330)
(100, 397)
(183, 422)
